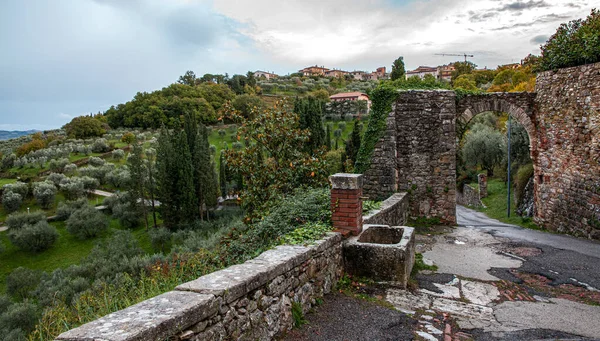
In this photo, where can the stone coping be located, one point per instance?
(346, 181)
(387, 205)
(165, 315)
(407, 234)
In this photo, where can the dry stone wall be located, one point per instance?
(381, 179)
(250, 301)
(426, 149)
(468, 197)
(567, 169)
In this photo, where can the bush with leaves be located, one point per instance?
(58, 165)
(21, 282)
(84, 127)
(66, 208)
(2, 247)
(96, 161)
(100, 146)
(275, 162)
(11, 201)
(89, 183)
(574, 43)
(70, 168)
(86, 222)
(17, 220)
(34, 238)
(160, 239)
(56, 178)
(18, 187)
(44, 193)
(485, 147)
(73, 188)
(118, 154)
(18, 320)
(119, 177)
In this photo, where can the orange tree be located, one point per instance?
(273, 162)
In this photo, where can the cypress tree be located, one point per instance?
(223, 175)
(166, 178)
(353, 143)
(328, 138)
(186, 202)
(138, 185)
(310, 113)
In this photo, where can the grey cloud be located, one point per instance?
(539, 39)
(540, 20)
(520, 5)
(480, 17)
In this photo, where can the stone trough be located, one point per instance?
(381, 252)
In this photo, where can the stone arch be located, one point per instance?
(519, 105)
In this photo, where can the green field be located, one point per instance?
(67, 250)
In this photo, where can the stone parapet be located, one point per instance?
(468, 197)
(249, 301)
(393, 211)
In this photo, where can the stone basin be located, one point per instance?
(382, 253)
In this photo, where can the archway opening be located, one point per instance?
(482, 161)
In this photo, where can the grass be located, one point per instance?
(7, 181)
(496, 206)
(67, 250)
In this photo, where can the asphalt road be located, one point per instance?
(564, 259)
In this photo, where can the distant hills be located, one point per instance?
(6, 135)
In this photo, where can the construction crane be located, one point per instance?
(458, 55)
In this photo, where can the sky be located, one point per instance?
(64, 58)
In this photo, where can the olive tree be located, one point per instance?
(34, 238)
(485, 147)
(86, 222)
(44, 193)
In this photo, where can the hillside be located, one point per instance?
(6, 135)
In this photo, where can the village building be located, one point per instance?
(351, 96)
(445, 72)
(264, 74)
(335, 73)
(314, 71)
(422, 71)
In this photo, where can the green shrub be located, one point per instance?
(118, 154)
(20, 188)
(56, 178)
(160, 238)
(96, 161)
(73, 188)
(89, 183)
(5, 302)
(44, 193)
(11, 201)
(21, 282)
(574, 43)
(18, 220)
(100, 146)
(86, 222)
(34, 238)
(23, 316)
(66, 208)
(2, 247)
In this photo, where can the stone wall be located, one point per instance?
(393, 211)
(567, 168)
(426, 149)
(468, 197)
(381, 179)
(250, 301)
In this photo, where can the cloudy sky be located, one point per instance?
(65, 58)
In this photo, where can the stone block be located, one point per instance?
(346, 181)
(382, 253)
(152, 320)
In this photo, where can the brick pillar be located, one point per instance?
(482, 180)
(346, 202)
